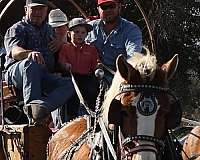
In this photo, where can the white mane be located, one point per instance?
(141, 63)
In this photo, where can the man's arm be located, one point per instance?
(19, 53)
(133, 42)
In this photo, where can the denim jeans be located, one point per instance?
(34, 80)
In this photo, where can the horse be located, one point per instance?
(134, 117)
(191, 146)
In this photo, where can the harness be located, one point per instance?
(126, 151)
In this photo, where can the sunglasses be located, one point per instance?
(108, 6)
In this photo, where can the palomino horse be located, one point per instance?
(191, 146)
(135, 114)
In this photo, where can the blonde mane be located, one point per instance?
(140, 62)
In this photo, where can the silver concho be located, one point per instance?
(147, 105)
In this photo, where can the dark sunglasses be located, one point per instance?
(106, 7)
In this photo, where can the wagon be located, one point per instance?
(23, 141)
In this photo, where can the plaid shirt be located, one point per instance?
(30, 37)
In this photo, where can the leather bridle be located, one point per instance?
(130, 145)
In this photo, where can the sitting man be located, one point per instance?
(30, 62)
(113, 35)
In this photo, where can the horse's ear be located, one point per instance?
(171, 66)
(124, 68)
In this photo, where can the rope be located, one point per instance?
(82, 101)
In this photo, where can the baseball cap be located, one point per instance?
(57, 18)
(31, 3)
(104, 1)
(79, 22)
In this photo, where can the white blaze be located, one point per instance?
(145, 126)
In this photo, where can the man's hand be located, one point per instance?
(36, 56)
(55, 45)
(67, 66)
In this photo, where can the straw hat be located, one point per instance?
(57, 18)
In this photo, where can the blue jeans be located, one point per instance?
(34, 80)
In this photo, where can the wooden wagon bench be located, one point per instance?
(28, 142)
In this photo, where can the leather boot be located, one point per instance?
(39, 112)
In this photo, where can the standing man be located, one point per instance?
(30, 62)
(113, 35)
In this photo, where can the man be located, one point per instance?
(58, 20)
(113, 35)
(30, 62)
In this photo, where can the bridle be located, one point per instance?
(127, 151)
(130, 145)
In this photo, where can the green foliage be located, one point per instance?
(176, 24)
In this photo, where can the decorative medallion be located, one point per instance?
(146, 105)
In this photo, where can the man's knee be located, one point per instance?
(30, 65)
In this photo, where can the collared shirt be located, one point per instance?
(83, 58)
(30, 37)
(125, 39)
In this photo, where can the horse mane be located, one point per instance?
(140, 62)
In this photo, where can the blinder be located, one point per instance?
(175, 114)
(173, 117)
(114, 114)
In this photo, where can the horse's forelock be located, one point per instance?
(148, 61)
(145, 64)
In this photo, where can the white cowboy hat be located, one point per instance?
(57, 18)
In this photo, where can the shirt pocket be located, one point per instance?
(91, 38)
(118, 47)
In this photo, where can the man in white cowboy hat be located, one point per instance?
(30, 62)
(58, 20)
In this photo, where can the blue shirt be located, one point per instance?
(125, 39)
(30, 37)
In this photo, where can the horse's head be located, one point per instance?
(137, 101)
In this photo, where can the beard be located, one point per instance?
(110, 19)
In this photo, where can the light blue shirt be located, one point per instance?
(125, 39)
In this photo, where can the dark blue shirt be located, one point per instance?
(30, 37)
